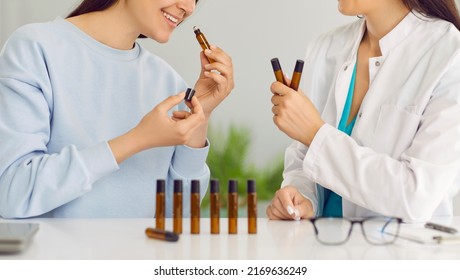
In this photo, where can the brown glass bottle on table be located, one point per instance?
(215, 207)
(252, 207)
(195, 207)
(177, 213)
(161, 234)
(232, 206)
(160, 205)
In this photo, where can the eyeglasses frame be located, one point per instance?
(357, 221)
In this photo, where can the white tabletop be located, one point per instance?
(79, 239)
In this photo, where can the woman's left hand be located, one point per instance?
(216, 79)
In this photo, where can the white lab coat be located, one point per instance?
(403, 157)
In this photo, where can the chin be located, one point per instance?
(347, 13)
(160, 39)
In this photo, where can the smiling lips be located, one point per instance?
(170, 17)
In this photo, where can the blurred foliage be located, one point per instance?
(228, 159)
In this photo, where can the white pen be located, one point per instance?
(446, 239)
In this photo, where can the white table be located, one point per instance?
(80, 239)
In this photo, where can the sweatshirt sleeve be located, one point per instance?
(188, 164)
(34, 180)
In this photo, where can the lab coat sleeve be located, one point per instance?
(411, 186)
(187, 164)
(33, 181)
(294, 175)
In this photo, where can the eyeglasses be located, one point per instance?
(337, 231)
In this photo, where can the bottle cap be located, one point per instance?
(177, 186)
(214, 186)
(161, 186)
(196, 30)
(189, 94)
(299, 65)
(232, 186)
(276, 64)
(251, 186)
(195, 186)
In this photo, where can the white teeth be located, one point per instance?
(170, 17)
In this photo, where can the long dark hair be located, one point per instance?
(443, 9)
(88, 6)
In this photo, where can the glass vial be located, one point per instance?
(177, 213)
(295, 82)
(215, 207)
(195, 207)
(277, 70)
(232, 206)
(203, 42)
(160, 205)
(252, 207)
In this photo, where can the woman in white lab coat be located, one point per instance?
(379, 133)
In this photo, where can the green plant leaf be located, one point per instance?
(228, 159)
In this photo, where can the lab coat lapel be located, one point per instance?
(341, 88)
(344, 75)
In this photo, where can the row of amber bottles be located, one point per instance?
(232, 206)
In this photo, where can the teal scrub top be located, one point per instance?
(332, 201)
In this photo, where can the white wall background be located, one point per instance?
(251, 31)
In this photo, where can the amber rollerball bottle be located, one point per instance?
(177, 213)
(252, 207)
(195, 207)
(203, 42)
(160, 205)
(215, 207)
(232, 206)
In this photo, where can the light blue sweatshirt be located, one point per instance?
(63, 95)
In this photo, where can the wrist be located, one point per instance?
(125, 146)
(198, 139)
(312, 133)
(207, 116)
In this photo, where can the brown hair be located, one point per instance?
(88, 6)
(443, 9)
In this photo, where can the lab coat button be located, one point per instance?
(360, 114)
(346, 67)
(377, 63)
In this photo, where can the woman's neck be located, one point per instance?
(381, 21)
(110, 27)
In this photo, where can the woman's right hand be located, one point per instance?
(289, 204)
(157, 129)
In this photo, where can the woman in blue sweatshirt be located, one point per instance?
(89, 119)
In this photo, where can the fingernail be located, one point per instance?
(297, 215)
(207, 51)
(290, 210)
